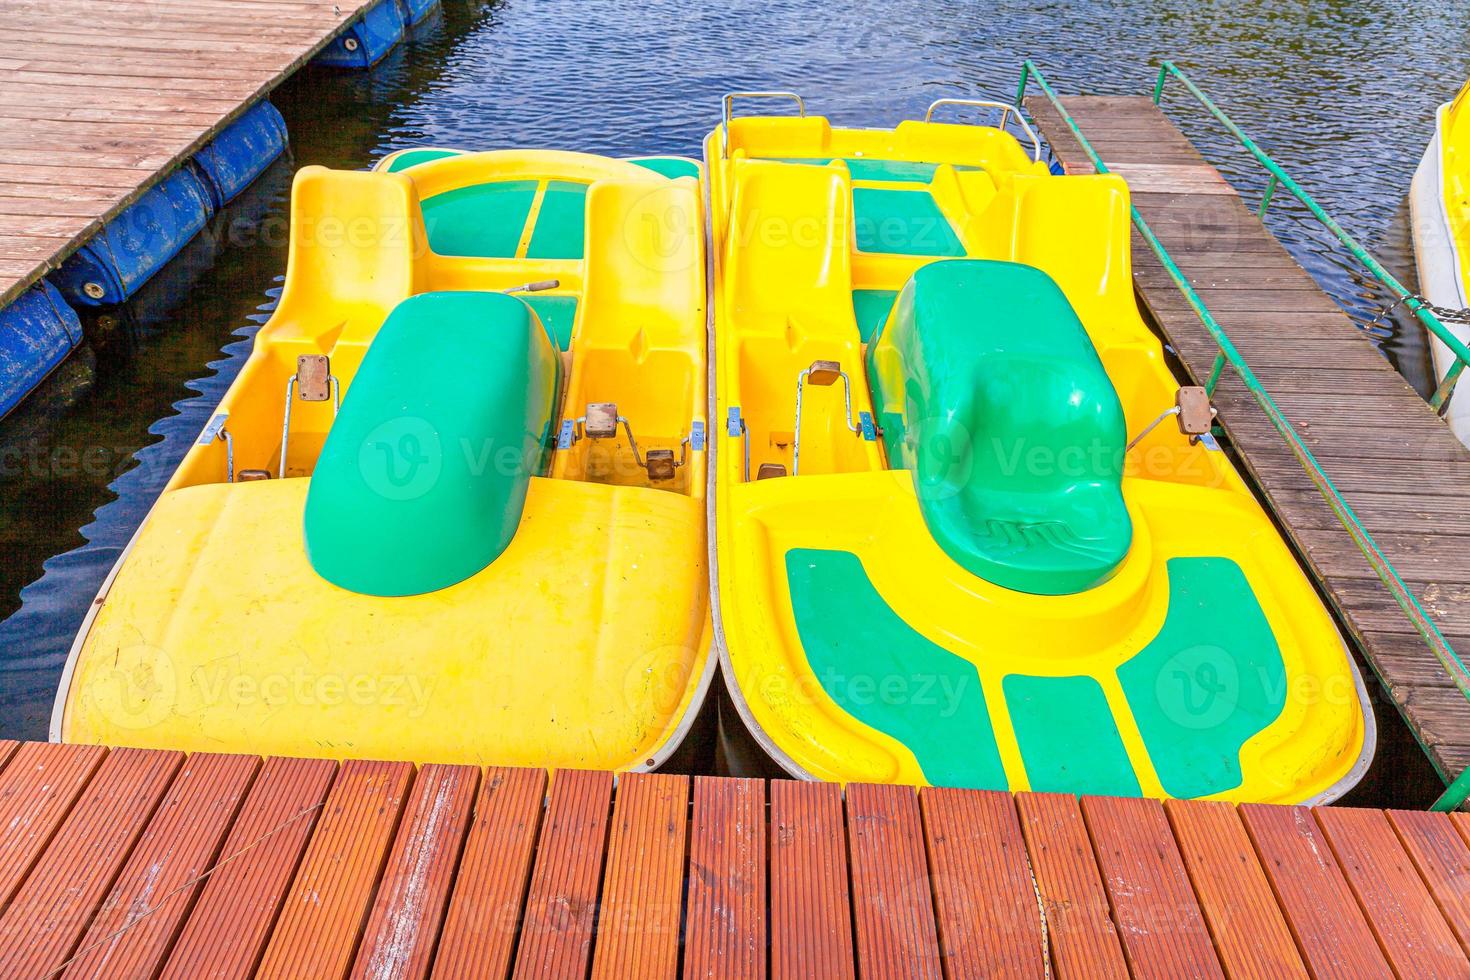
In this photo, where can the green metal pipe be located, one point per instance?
(1278, 174)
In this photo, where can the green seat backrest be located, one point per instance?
(423, 476)
(990, 392)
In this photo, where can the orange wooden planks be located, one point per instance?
(37, 790)
(893, 908)
(643, 886)
(725, 927)
(324, 912)
(53, 907)
(1251, 935)
(1158, 917)
(1080, 931)
(228, 928)
(811, 918)
(7, 749)
(1402, 914)
(1443, 860)
(1324, 917)
(480, 927)
(404, 926)
(985, 899)
(561, 907)
(139, 919)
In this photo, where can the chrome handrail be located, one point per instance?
(729, 104)
(1005, 113)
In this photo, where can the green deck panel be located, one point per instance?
(871, 307)
(902, 222)
(413, 158)
(1212, 678)
(886, 675)
(990, 393)
(1068, 738)
(558, 314)
(670, 167)
(479, 221)
(561, 224)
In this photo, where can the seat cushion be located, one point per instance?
(990, 392)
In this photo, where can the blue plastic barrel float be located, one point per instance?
(241, 153)
(37, 331)
(363, 44)
(415, 11)
(133, 246)
(137, 243)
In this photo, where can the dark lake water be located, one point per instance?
(1341, 92)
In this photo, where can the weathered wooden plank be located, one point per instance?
(53, 908)
(986, 901)
(893, 908)
(403, 927)
(37, 789)
(1080, 930)
(1330, 930)
(1250, 933)
(642, 887)
(138, 921)
(1443, 861)
(556, 936)
(323, 914)
(1162, 927)
(227, 930)
(1400, 911)
(480, 928)
(811, 916)
(725, 931)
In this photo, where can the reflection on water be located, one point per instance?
(1342, 93)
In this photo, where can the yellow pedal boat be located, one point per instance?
(971, 530)
(1439, 211)
(453, 507)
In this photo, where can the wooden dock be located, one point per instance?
(1398, 466)
(133, 863)
(100, 99)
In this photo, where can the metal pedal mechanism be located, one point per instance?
(825, 374)
(314, 382)
(601, 421)
(1192, 410)
(770, 471)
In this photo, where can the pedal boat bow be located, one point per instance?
(954, 548)
(1439, 212)
(453, 507)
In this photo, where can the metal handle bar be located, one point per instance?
(729, 103)
(1005, 113)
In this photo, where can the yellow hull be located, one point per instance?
(857, 647)
(585, 643)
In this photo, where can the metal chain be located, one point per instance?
(1445, 314)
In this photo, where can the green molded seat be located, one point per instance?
(991, 393)
(412, 491)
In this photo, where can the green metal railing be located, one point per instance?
(1459, 788)
(1279, 178)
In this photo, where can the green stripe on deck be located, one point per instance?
(480, 221)
(889, 677)
(1210, 680)
(871, 308)
(558, 314)
(1067, 736)
(902, 222)
(561, 223)
(670, 167)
